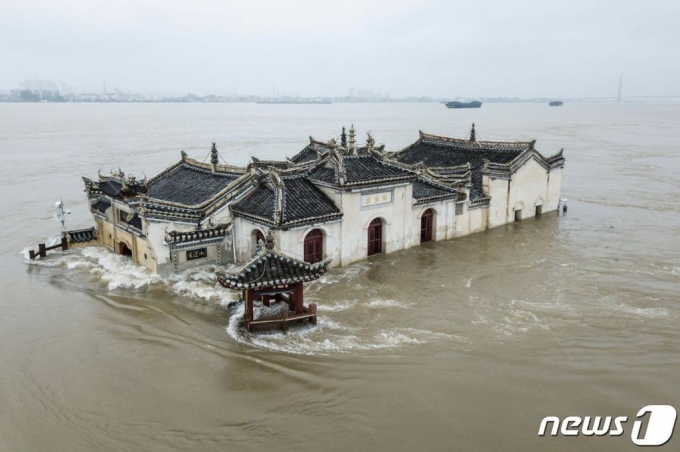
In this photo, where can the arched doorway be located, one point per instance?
(124, 250)
(314, 246)
(257, 241)
(427, 226)
(375, 237)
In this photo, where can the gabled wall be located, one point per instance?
(531, 185)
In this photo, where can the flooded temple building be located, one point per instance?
(332, 202)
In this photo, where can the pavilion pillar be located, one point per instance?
(248, 313)
(265, 300)
(299, 298)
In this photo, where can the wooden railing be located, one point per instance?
(286, 318)
(43, 249)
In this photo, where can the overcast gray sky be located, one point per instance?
(523, 48)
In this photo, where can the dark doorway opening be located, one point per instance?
(375, 237)
(539, 211)
(427, 226)
(123, 250)
(518, 215)
(314, 246)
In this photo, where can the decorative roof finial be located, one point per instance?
(269, 241)
(213, 155)
(352, 140)
(473, 134)
(370, 142)
(343, 139)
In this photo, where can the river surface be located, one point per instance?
(460, 345)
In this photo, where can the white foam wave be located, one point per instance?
(338, 306)
(380, 303)
(48, 261)
(120, 273)
(329, 337)
(644, 312)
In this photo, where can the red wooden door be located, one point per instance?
(314, 247)
(426, 226)
(375, 237)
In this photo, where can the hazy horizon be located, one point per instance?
(488, 48)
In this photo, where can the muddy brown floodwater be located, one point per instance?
(458, 345)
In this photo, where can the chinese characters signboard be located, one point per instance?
(376, 199)
(197, 254)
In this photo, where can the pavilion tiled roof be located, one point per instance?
(270, 269)
(286, 201)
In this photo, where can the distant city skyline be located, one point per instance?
(107, 92)
(438, 48)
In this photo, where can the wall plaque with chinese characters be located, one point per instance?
(197, 254)
(370, 200)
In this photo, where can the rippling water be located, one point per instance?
(459, 345)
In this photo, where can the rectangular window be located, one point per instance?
(459, 209)
(122, 216)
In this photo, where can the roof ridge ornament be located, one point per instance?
(214, 157)
(337, 159)
(352, 140)
(370, 141)
(278, 187)
(343, 138)
(270, 241)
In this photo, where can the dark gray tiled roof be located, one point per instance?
(302, 202)
(434, 155)
(366, 168)
(359, 170)
(323, 174)
(101, 205)
(136, 222)
(111, 188)
(82, 235)
(261, 203)
(438, 152)
(424, 191)
(272, 269)
(308, 154)
(189, 185)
